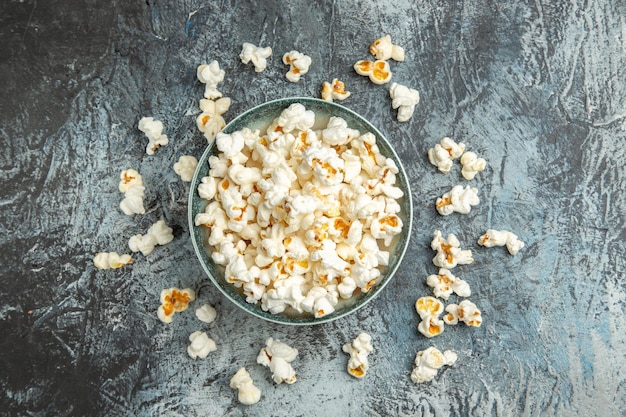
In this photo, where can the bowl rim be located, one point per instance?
(251, 308)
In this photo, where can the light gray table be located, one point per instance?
(536, 88)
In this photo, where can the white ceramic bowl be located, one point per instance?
(259, 118)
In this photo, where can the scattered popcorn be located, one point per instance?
(111, 260)
(383, 49)
(429, 361)
(201, 345)
(444, 284)
(186, 167)
(206, 313)
(277, 356)
(465, 311)
(472, 165)
(174, 300)
(444, 152)
(378, 71)
(158, 234)
(211, 121)
(299, 65)
(154, 132)
(248, 393)
(449, 253)
(334, 91)
(429, 309)
(257, 55)
(131, 184)
(358, 350)
(458, 200)
(404, 99)
(493, 238)
(211, 75)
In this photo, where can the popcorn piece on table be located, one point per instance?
(299, 65)
(358, 350)
(131, 184)
(429, 361)
(429, 309)
(248, 393)
(201, 345)
(458, 199)
(384, 49)
(257, 55)
(211, 75)
(472, 165)
(174, 300)
(206, 313)
(334, 91)
(154, 132)
(404, 99)
(185, 167)
(465, 311)
(378, 71)
(158, 234)
(277, 356)
(444, 152)
(445, 283)
(211, 121)
(111, 260)
(449, 253)
(493, 238)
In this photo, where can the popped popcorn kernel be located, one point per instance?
(210, 75)
(465, 311)
(201, 345)
(158, 234)
(429, 309)
(210, 120)
(174, 300)
(111, 260)
(277, 356)
(334, 91)
(206, 313)
(458, 199)
(472, 165)
(445, 283)
(248, 393)
(493, 238)
(429, 361)
(186, 167)
(378, 71)
(384, 49)
(444, 153)
(449, 253)
(257, 55)
(404, 99)
(131, 184)
(298, 65)
(153, 130)
(358, 350)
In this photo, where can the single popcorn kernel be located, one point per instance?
(430, 305)
(174, 300)
(377, 71)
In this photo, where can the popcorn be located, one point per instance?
(211, 75)
(248, 393)
(449, 253)
(207, 188)
(386, 227)
(131, 184)
(111, 260)
(154, 132)
(210, 120)
(378, 71)
(429, 361)
(465, 311)
(458, 200)
(206, 313)
(201, 345)
(404, 99)
(278, 356)
(158, 234)
(186, 167)
(299, 65)
(257, 55)
(444, 152)
(429, 309)
(445, 283)
(472, 165)
(334, 91)
(358, 350)
(383, 49)
(493, 238)
(320, 301)
(174, 300)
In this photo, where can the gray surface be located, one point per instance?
(536, 88)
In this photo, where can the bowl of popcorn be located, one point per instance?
(300, 211)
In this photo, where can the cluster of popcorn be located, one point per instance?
(277, 356)
(158, 234)
(111, 260)
(185, 167)
(447, 150)
(131, 185)
(429, 361)
(154, 132)
(299, 218)
(358, 350)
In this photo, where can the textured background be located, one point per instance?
(537, 88)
